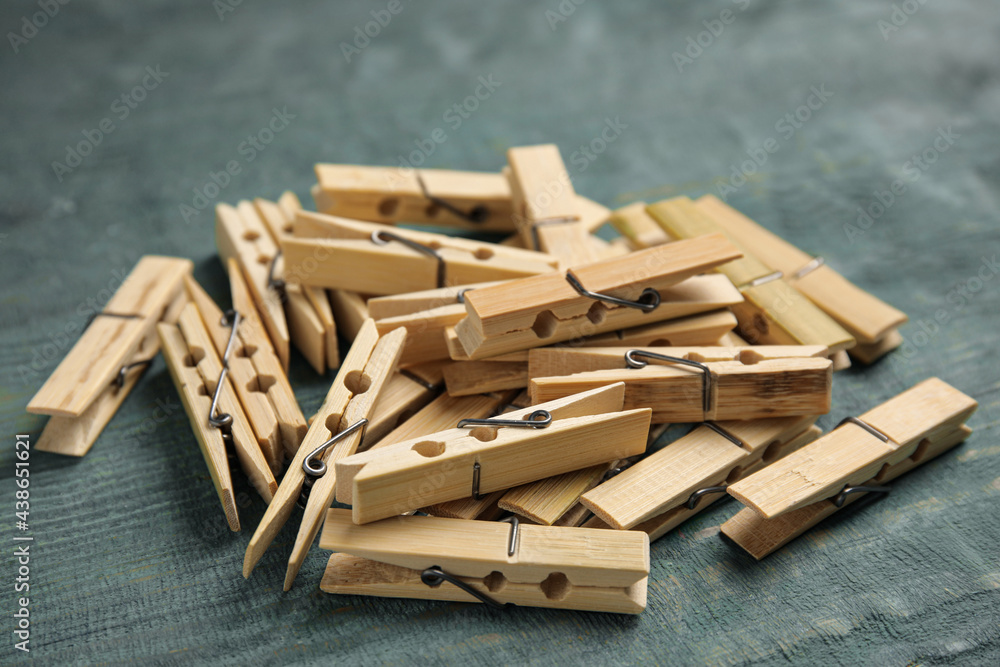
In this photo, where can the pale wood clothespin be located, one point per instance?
(212, 406)
(465, 199)
(670, 486)
(259, 380)
(91, 382)
(685, 390)
(500, 373)
(772, 312)
(242, 235)
(350, 310)
(871, 321)
(647, 286)
(311, 325)
(375, 259)
(408, 390)
(497, 454)
(497, 563)
(636, 225)
(858, 457)
(336, 431)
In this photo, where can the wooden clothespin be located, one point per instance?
(700, 329)
(311, 325)
(407, 303)
(241, 234)
(871, 321)
(507, 371)
(336, 431)
(216, 415)
(546, 208)
(408, 390)
(497, 563)
(466, 199)
(636, 225)
(257, 376)
(647, 286)
(772, 312)
(692, 391)
(668, 487)
(366, 257)
(858, 457)
(350, 310)
(88, 385)
(523, 446)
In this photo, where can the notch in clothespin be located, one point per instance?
(241, 235)
(366, 257)
(465, 199)
(858, 457)
(772, 311)
(311, 325)
(497, 563)
(670, 486)
(494, 454)
(336, 431)
(647, 286)
(90, 383)
(684, 390)
(216, 415)
(871, 321)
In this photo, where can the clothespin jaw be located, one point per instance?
(604, 296)
(88, 385)
(859, 454)
(682, 390)
(338, 253)
(493, 562)
(469, 200)
(467, 463)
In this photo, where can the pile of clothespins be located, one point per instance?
(490, 425)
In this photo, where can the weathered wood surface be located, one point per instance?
(132, 561)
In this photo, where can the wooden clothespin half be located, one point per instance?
(466, 199)
(242, 235)
(684, 390)
(635, 224)
(871, 321)
(350, 310)
(336, 431)
(497, 563)
(773, 312)
(366, 257)
(684, 477)
(647, 286)
(507, 371)
(88, 385)
(212, 406)
(858, 457)
(547, 211)
(311, 325)
(408, 390)
(496, 454)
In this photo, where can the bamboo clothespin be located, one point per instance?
(700, 329)
(692, 391)
(377, 259)
(647, 286)
(464, 199)
(349, 311)
(408, 390)
(492, 562)
(635, 224)
(212, 406)
(88, 385)
(307, 309)
(871, 321)
(257, 376)
(684, 477)
(858, 457)
(773, 312)
(241, 234)
(408, 303)
(546, 209)
(507, 371)
(492, 456)
(336, 431)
